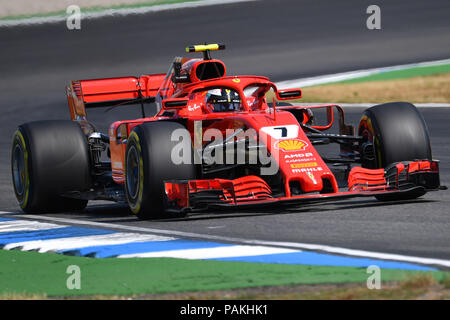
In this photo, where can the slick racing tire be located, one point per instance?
(148, 162)
(49, 159)
(398, 132)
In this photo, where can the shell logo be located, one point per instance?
(291, 145)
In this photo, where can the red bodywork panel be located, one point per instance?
(366, 179)
(242, 189)
(83, 94)
(125, 88)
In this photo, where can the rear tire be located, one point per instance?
(48, 159)
(148, 163)
(399, 133)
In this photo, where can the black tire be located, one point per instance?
(48, 159)
(148, 163)
(399, 133)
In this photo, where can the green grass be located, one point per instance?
(32, 273)
(92, 9)
(402, 74)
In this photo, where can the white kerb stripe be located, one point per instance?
(26, 225)
(212, 253)
(83, 242)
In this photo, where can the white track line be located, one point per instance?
(336, 77)
(25, 225)
(83, 242)
(117, 12)
(211, 253)
(295, 245)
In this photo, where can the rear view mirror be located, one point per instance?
(289, 94)
(321, 118)
(175, 103)
(316, 117)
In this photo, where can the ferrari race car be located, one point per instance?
(216, 142)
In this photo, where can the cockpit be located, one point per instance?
(222, 100)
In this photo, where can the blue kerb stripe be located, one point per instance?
(141, 247)
(46, 234)
(6, 219)
(321, 259)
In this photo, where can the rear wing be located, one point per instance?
(82, 94)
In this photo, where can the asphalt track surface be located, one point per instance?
(280, 39)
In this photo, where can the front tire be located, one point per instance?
(48, 159)
(397, 132)
(148, 163)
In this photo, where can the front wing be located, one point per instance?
(399, 181)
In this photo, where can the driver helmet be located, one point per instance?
(223, 100)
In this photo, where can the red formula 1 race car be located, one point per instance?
(216, 141)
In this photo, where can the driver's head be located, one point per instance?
(223, 100)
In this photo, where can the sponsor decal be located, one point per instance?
(311, 176)
(291, 145)
(195, 107)
(282, 132)
(304, 170)
(236, 80)
(298, 155)
(300, 160)
(304, 165)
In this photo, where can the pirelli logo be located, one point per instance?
(303, 165)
